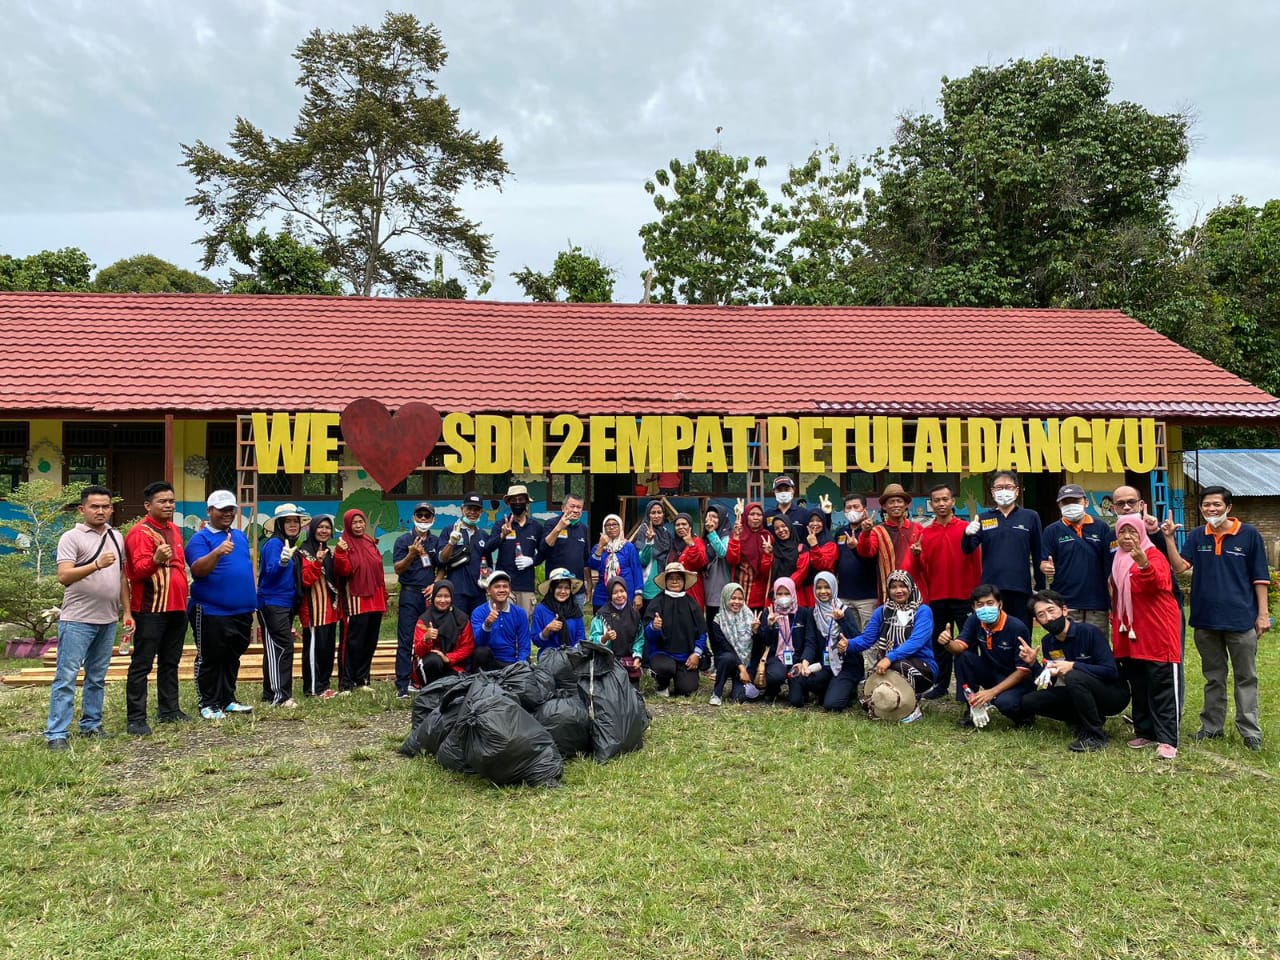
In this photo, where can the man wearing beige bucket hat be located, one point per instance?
(517, 544)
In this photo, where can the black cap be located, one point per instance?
(472, 499)
(425, 507)
(783, 481)
(1069, 490)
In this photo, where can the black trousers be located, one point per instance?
(430, 668)
(358, 645)
(1015, 604)
(412, 604)
(668, 673)
(844, 685)
(220, 642)
(800, 689)
(1157, 699)
(157, 636)
(947, 613)
(277, 654)
(1081, 700)
(317, 658)
(727, 664)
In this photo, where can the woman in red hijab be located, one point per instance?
(750, 555)
(358, 564)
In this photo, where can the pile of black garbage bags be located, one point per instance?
(519, 724)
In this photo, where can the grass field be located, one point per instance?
(736, 832)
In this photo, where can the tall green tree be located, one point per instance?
(147, 273)
(575, 277)
(1030, 189)
(820, 260)
(279, 264)
(372, 171)
(708, 244)
(49, 270)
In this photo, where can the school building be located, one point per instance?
(124, 389)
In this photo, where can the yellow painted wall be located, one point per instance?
(46, 442)
(189, 440)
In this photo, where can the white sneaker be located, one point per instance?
(912, 717)
(664, 692)
(714, 701)
(210, 713)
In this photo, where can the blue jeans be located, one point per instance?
(85, 645)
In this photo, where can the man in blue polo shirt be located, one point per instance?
(1010, 538)
(516, 545)
(987, 655)
(413, 556)
(223, 600)
(566, 545)
(1076, 553)
(1083, 685)
(1229, 583)
(500, 628)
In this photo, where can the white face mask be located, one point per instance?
(1004, 497)
(1073, 512)
(422, 526)
(854, 516)
(783, 497)
(1219, 520)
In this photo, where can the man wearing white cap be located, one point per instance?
(224, 598)
(517, 546)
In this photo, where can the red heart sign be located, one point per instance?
(389, 446)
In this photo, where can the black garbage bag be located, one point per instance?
(531, 687)
(615, 708)
(504, 743)
(429, 697)
(565, 717)
(559, 663)
(429, 733)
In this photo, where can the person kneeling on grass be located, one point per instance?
(787, 636)
(1079, 682)
(557, 619)
(1147, 630)
(833, 626)
(899, 636)
(988, 655)
(617, 626)
(676, 634)
(500, 628)
(733, 636)
(442, 639)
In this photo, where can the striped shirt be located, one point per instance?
(155, 589)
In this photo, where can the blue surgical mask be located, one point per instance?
(988, 614)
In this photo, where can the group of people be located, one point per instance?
(768, 604)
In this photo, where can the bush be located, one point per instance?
(26, 600)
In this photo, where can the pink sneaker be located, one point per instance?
(1166, 751)
(1137, 743)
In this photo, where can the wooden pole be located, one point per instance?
(168, 448)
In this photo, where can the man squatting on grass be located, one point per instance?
(1082, 678)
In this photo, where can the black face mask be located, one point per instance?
(1056, 625)
(519, 508)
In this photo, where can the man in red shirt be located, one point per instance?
(157, 570)
(946, 576)
(890, 542)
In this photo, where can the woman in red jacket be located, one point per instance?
(750, 556)
(442, 640)
(358, 563)
(819, 556)
(693, 554)
(1146, 628)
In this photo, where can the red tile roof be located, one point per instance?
(212, 353)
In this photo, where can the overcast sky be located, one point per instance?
(588, 97)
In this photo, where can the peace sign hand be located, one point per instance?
(824, 502)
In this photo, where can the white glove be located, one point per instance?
(286, 555)
(455, 538)
(973, 527)
(980, 716)
(524, 563)
(1045, 678)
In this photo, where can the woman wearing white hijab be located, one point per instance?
(615, 556)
